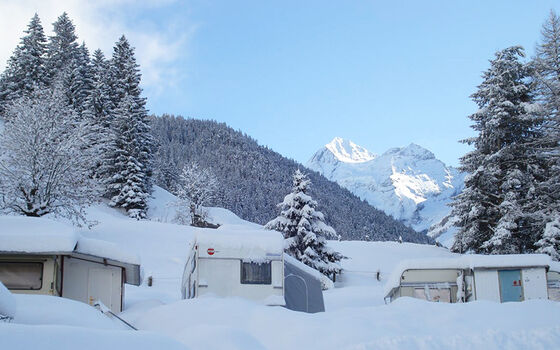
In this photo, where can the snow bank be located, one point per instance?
(7, 302)
(240, 241)
(467, 261)
(20, 234)
(51, 310)
(406, 324)
(54, 337)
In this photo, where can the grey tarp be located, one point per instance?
(302, 290)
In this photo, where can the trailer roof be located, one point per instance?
(28, 235)
(467, 261)
(234, 241)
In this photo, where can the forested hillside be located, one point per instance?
(254, 179)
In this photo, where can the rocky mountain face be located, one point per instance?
(408, 183)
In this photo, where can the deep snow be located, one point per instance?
(355, 318)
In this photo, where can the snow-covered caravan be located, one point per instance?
(236, 261)
(500, 278)
(553, 281)
(39, 256)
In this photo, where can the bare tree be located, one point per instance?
(197, 186)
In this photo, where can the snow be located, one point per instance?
(239, 241)
(7, 302)
(107, 250)
(355, 318)
(470, 261)
(19, 234)
(348, 152)
(408, 183)
(326, 282)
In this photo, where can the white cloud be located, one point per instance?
(100, 23)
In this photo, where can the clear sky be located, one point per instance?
(295, 74)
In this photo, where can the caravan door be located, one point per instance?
(510, 285)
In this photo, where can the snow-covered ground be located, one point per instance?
(356, 316)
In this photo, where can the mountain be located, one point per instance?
(253, 179)
(408, 183)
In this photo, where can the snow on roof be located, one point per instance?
(555, 266)
(20, 234)
(107, 250)
(240, 241)
(325, 281)
(467, 261)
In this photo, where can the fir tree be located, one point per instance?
(26, 67)
(550, 241)
(79, 80)
(130, 163)
(305, 230)
(547, 77)
(62, 47)
(493, 209)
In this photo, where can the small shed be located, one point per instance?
(236, 261)
(500, 278)
(40, 256)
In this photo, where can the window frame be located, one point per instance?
(42, 269)
(267, 282)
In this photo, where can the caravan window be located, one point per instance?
(256, 273)
(22, 275)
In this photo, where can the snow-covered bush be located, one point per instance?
(45, 158)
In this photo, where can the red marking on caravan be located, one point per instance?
(210, 251)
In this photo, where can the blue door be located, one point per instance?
(510, 285)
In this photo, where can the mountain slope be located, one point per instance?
(408, 183)
(254, 179)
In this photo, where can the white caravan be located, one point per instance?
(500, 278)
(236, 261)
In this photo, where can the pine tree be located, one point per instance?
(547, 77)
(304, 228)
(62, 48)
(26, 67)
(78, 80)
(550, 241)
(130, 163)
(493, 210)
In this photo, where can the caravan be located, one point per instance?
(500, 278)
(249, 263)
(234, 261)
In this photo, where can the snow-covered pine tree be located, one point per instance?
(550, 241)
(62, 48)
(305, 230)
(26, 67)
(97, 113)
(547, 78)
(195, 188)
(494, 209)
(78, 80)
(43, 162)
(130, 163)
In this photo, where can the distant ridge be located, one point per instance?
(254, 179)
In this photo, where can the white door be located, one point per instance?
(100, 286)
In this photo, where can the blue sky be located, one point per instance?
(295, 74)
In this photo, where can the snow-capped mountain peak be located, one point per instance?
(408, 183)
(347, 151)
